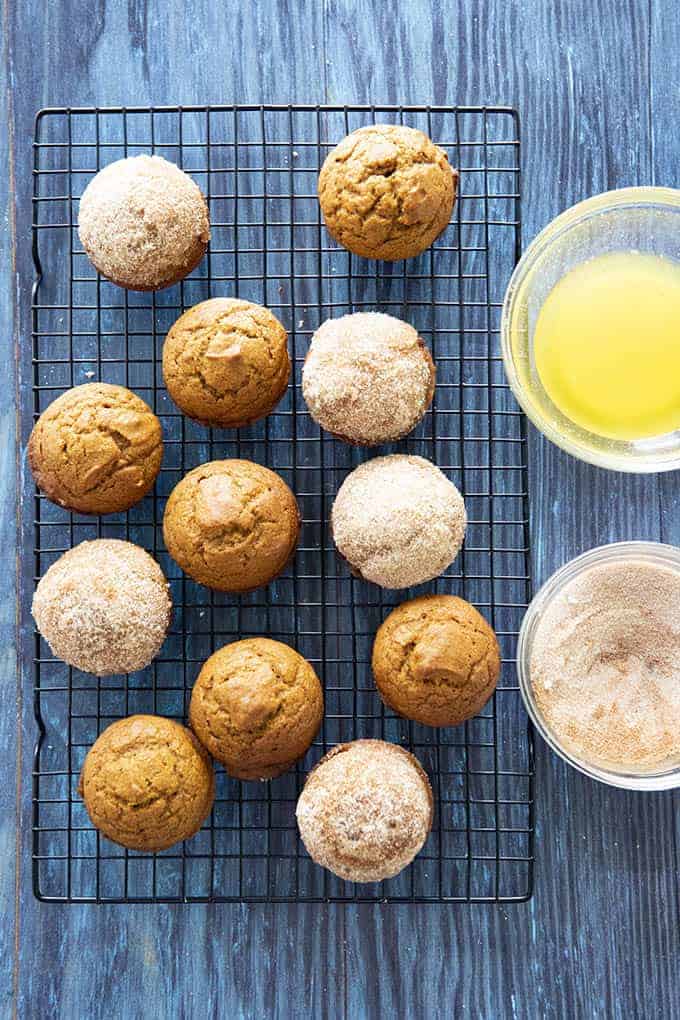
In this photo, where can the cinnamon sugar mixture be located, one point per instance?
(605, 666)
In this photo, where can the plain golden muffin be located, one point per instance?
(226, 363)
(104, 607)
(96, 449)
(387, 192)
(143, 223)
(147, 783)
(231, 525)
(436, 660)
(256, 706)
(366, 810)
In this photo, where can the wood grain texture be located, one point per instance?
(597, 83)
(9, 703)
(664, 95)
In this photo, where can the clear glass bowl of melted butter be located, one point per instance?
(590, 330)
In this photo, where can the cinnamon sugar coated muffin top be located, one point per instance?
(104, 607)
(96, 449)
(143, 223)
(365, 811)
(147, 783)
(226, 362)
(257, 705)
(398, 521)
(386, 191)
(368, 378)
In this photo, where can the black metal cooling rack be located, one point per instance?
(258, 167)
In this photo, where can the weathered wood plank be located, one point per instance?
(664, 96)
(10, 693)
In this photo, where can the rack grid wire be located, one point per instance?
(258, 167)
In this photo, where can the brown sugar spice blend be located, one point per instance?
(605, 668)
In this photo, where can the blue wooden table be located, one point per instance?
(597, 83)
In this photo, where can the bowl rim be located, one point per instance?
(650, 551)
(595, 205)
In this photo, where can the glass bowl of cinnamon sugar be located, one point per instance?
(598, 661)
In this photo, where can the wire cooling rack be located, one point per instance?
(258, 167)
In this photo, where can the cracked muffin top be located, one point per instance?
(143, 223)
(256, 706)
(387, 192)
(226, 363)
(436, 660)
(365, 810)
(398, 521)
(104, 607)
(96, 449)
(231, 525)
(368, 378)
(147, 783)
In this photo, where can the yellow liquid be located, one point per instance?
(607, 345)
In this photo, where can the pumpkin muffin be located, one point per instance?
(231, 525)
(368, 378)
(96, 449)
(398, 521)
(143, 223)
(436, 660)
(256, 706)
(104, 607)
(366, 810)
(226, 363)
(147, 783)
(387, 192)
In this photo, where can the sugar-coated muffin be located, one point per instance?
(398, 521)
(226, 362)
(436, 660)
(387, 192)
(256, 706)
(147, 783)
(368, 378)
(366, 810)
(104, 607)
(96, 449)
(231, 525)
(143, 223)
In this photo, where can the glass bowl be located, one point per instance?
(639, 219)
(655, 552)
